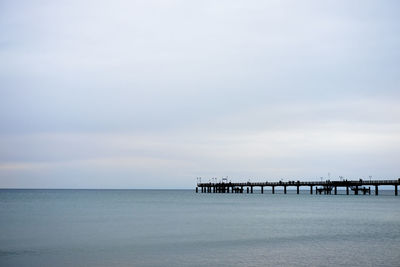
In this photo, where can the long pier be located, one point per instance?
(321, 187)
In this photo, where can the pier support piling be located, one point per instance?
(327, 187)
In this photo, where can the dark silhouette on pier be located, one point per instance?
(322, 187)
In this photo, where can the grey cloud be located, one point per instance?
(72, 71)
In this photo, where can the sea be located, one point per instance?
(182, 228)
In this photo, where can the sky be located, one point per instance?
(152, 94)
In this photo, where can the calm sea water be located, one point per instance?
(182, 228)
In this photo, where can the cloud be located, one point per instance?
(291, 143)
(176, 89)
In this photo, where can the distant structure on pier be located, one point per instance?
(321, 187)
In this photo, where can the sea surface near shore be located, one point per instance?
(182, 228)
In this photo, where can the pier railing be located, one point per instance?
(325, 186)
(301, 183)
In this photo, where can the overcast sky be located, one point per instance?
(152, 94)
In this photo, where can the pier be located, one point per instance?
(321, 187)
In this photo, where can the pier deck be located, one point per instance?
(325, 187)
